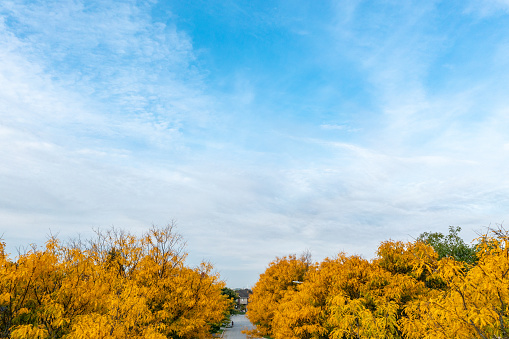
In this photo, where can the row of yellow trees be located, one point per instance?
(405, 292)
(117, 285)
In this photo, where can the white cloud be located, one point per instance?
(108, 123)
(486, 8)
(79, 111)
(334, 127)
(77, 61)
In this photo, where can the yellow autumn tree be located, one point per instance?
(305, 313)
(115, 286)
(351, 297)
(43, 290)
(373, 295)
(474, 303)
(281, 278)
(407, 291)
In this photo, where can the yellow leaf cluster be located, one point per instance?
(281, 277)
(115, 286)
(405, 292)
(474, 304)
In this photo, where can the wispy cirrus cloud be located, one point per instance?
(319, 129)
(88, 89)
(108, 58)
(486, 8)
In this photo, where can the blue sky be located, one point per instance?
(262, 128)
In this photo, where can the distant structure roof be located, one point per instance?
(244, 293)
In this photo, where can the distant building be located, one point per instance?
(243, 299)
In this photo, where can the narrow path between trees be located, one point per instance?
(240, 322)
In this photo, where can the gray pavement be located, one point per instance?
(240, 322)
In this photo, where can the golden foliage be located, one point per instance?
(116, 286)
(474, 304)
(281, 277)
(405, 292)
(348, 297)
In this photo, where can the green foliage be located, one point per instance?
(232, 296)
(450, 245)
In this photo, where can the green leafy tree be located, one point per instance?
(450, 245)
(232, 296)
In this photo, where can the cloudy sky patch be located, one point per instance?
(262, 129)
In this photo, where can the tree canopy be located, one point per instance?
(281, 278)
(450, 245)
(117, 285)
(408, 290)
